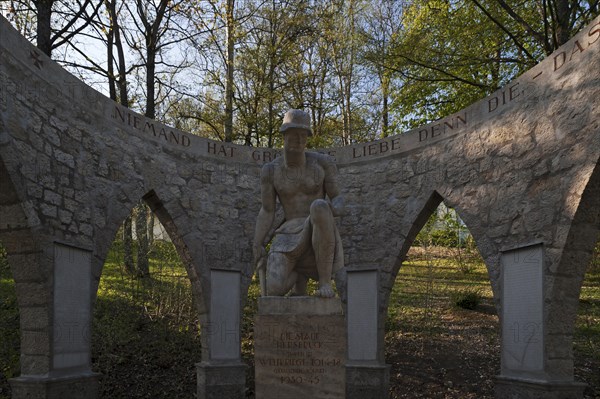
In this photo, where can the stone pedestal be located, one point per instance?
(515, 388)
(300, 348)
(69, 387)
(218, 381)
(365, 381)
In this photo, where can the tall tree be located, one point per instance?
(450, 54)
(152, 20)
(230, 38)
(550, 23)
(345, 47)
(58, 21)
(381, 24)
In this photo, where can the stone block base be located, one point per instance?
(218, 381)
(367, 381)
(84, 386)
(514, 388)
(299, 348)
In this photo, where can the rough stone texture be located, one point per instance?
(509, 388)
(362, 315)
(299, 354)
(520, 166)
(367, 382)
(218, 381)
(305, 305)
(72, 387)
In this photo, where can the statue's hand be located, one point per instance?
(325, 291)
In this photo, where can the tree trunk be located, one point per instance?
(150, 79)
(110, 68)
(563, 17)
(122, 79)
(127, 244)
(229, 67)
(385, 112)
(151, 221)
(44, 28)
(141, 231)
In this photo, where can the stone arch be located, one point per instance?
(563, 295)
(194, 270)
(418, 216)
(520, 158)
(176, 227)
(25, 258)
(164, 213)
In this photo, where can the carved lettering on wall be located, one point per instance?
(446, 125)
(147, 126)
(506, 96)
(564, 57)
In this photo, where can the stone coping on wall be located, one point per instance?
(62, 83)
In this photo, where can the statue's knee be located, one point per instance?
(319, 209)
(274, 288)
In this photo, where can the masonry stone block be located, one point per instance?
(32, 293)
(72, 387)
(35, 342)
(514, 167)
(25, 267)
(33, 318)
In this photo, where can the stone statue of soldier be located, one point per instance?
(307, 244)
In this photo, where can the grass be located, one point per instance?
(9, 327)
(146, 334)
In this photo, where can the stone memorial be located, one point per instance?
(521, 167)
(299, 348)
(307, 244)
(72, 324)
(300, 341)
(522, 310)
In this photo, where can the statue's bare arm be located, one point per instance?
(266, 213)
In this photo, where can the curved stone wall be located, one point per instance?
(519, 166)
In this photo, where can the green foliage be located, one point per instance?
(466, 298)
(146, 331)
(448, 56)
(443, 228)
(587, 328)
(146, 335)
(9, 326)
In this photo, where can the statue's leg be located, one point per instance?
(281, 276)
(300, 286)
(323, 242)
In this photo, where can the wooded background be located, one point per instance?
(229, 69)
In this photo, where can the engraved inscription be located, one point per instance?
(72, 304)
(301, 357)
(147, 126)
(563, 57)
(522, 309)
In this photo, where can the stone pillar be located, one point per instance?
(367, 375)
(80, 386)
(525, 369)
(69, 373)
(218, 381)
(223, 375)
(299, 348)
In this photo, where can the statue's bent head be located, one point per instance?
(296, 118)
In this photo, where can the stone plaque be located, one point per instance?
(362, 315)
(72, 306)
(300, 355)
(522, 309)
(225, 315)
